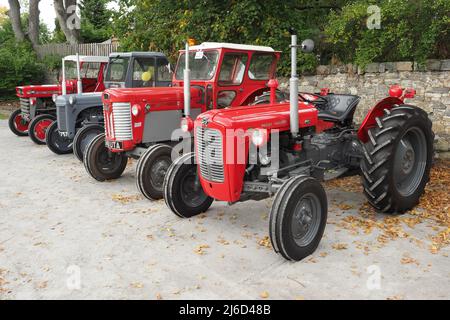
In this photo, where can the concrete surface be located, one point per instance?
(65, 236)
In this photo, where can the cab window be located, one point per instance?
(203, 65)
(233, 69)
(163, 70)
(117, 70)
(143, 72)
(260, 66)
(90, 70)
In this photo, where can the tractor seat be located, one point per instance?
(339, 107)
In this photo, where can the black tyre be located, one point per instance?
(83, 137)
(397, 159)
(56, 142)
(183, 192)
(38, 128)
(101, 163)
(151, 171)
(17, 124)
(298, 217)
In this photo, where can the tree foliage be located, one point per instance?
(409, 30)
(95, 20)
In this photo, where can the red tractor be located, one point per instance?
(285, 149)
(37, 107)
(140, 121)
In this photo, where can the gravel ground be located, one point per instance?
(65, 236)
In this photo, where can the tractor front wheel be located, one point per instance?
(38, 127)
(17, 124)
(56, 142)
(298, 217)
(101, 163)
(397, 159)
(183, 192)
(83, 137)
(151, 171)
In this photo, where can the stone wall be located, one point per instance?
(431, 82)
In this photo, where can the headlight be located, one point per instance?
(259, 137)
(54, 97)
(72, 100)
(187, 124)
(135, 110)
(264, 158)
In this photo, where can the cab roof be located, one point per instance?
(99, 59)
(137, 54)
(235, 46)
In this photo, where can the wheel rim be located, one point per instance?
(87, 138)
(41, 127)
(108, 162)
(192, 192)
(410, 161)
(306, 219)
(158, 172)
(59, 141)
(20, 123)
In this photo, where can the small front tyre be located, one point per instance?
(151, 171)
(298, 217)
(56, 142)
(101, 163)
(83, 137)
(183, 192)
(38, 128)
(17, 124)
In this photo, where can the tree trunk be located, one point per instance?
(65, 12)
(14, 15)
(33, 28)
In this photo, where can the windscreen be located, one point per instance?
(203, 65)
(117, 70)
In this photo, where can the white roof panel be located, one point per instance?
(219, 45)
(87, 58)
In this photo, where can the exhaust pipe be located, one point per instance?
(293, 82)
(63, 82)
(79, 84)
(187, 85)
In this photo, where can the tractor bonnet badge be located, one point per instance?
(205, 121)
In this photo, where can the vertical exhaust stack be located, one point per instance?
(187, 85)
(293, 83)
(79, 84)
(63, 84)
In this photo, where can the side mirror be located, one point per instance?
(307, 46)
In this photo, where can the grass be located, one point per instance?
(3, 116)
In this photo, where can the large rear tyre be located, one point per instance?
(183, 192)
(397, 159)
(83, 137)
(17, 124)
(56, 142)
(298, 217)
(151, 171)
(101, 163)
(38, 127)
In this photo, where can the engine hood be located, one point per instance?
(263, 116)
(84, 99)
(156, 97)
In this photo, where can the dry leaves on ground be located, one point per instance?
(126, 199)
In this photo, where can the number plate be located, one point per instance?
(114, 145)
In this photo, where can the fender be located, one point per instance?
(377, 111)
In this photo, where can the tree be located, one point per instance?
(14, 15)
(3, 15)
(95, 20)
(68, 21)
(33, 22)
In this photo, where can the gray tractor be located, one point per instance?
(80, 116)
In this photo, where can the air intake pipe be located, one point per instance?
(187, 85)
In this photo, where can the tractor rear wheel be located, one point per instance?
(17, 124)
(56, 142)
(83, 137)
(151, 170)
(397, 159)
(183, 192)
(298, 217)
(38, 127)
(101, 163)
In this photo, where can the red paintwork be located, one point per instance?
(47, 91)
(234, 124)
(21, 124)
(41, 128)
(172, 98)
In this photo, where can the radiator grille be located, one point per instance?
(122, 127)
(210, 154)
(25, 106)
(61, 116)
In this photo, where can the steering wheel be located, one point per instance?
(320, 101)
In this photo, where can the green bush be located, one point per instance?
(18, 66)
(410, 30)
